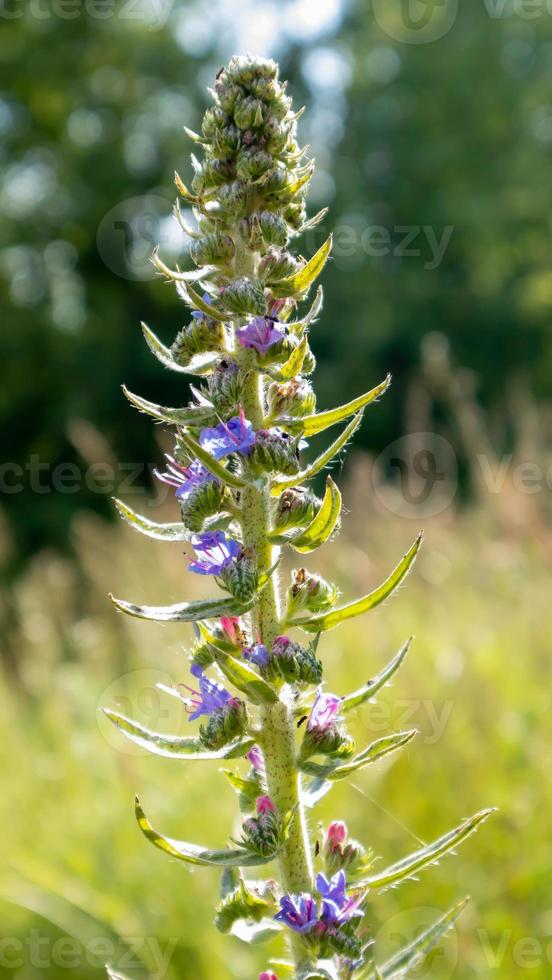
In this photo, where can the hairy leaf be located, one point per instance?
(373, 753)
(313, 424)
(185, 612)
(372, 687)
(301, 280)
(189, 415)
(299, 326)
(291, 368)
(426, 855)
(321, 461)
(323, 524)
(183, 190)
(245, 678)
(160, 532)
(412, 955)
(193, 854)
(327, 621)
(198, 303)
(175, 746)
(175, 274)
(201, 364)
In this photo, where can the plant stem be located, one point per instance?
(277, 736)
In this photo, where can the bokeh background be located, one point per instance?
(432, 129)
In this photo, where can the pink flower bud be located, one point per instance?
(267, 976)
(265, 805)
(336, 834)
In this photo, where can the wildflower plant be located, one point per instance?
(257, 685)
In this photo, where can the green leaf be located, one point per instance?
(301, 281)
(186, 612)
(193, 854)
(415, 862)
(323, 524)
(321, 461)
(255, 932)
(115, 976)
(291, 368)
(323, 420)
(199, 365)
(160, 532)
(315, 791)
(175, 274)
(296, 185)
(212, 464)
(313, 222)
(198, 303)
(299, 326)
(175, 746)
(372, 687)
(373, 753)
(327, 621)
(194, 415)
(183, 190)
(245, 678)
(412, 955)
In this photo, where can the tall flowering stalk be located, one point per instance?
(244, 495)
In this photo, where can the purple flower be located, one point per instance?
(267, 976)
(256, 654)
(214, 552)
(324, 712)
(235, 436)
(337, 907)
(211, 697)
(184, 478)
(299, 912)
(255, 757)
(262, 333)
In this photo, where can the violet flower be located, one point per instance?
(214, 552)
(261, 334)
(299, 912)
(324, 712)
(337, 907)
(255, 757)
(235, 436)
(211, 697)
(184, 478)
(256, 654)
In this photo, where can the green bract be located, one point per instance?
(238, 474)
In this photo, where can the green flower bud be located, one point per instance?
(252, 901)
(240, 578)
(295, 215)
(277, 265)
(248, 112)
(294, 663)
(232, 196)
(351, 856)
(199, 337)
(343, 942)
(276, 135)
(309, 362)
(262, 834)
(274, 452)
(244, 296)
(226, 141)
(274, 229)
(331, 741)
(213, 249)
(225, 387)
(292, 399)
(213, 119)
(296, 507)
(227, 93)
(201, 503)
(224, 725)
(245, 69)
(252, 164)
(280, 104)
(275, 184)
(309, 592)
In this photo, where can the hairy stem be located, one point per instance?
(277, 735)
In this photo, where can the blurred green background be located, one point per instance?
(432, 129)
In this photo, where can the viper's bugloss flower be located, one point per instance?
(235, 436)
(324, 713)
(256, 654)
(261, 334)
(299, 912)
(215, 552)
(255, 757)
(211, 697)
(265, 805)
(337, 907)
(184, 478)
(336, 835)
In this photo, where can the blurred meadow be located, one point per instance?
(434, 159)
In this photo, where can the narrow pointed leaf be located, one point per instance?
(291, 368)
(373, 753)
(193, 854)
(296, 185)
(188, 415)
(115, 975)
(212, 464)
(323, 525)
(199, 365)
(314, 221)
(327, 621)
(371, 688)
(415, 862)
(198, 303)
(299, 326)
(301, 281)
(412, 955)
(160, 532)
(323, 420)
(193, 275)
(183, 190)
(255, 932)
(246, 679)
(175, 746)
(186, 612)
(321, 461)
